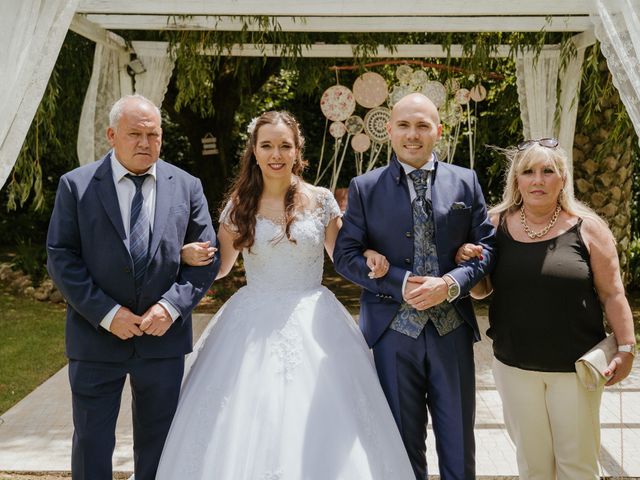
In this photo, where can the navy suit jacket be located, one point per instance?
(379, 216)
(89, 261)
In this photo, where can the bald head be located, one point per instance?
(417, 101)
(414, 129)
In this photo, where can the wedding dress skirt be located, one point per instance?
(282, 385)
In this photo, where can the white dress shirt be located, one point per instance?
(125, 190)
(429, 167)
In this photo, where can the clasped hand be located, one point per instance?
(155, 321)
(425, 292)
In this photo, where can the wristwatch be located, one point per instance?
(453, 289)
(628, 348)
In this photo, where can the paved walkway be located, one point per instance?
(35, 435)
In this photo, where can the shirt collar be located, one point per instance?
(119, 171)
(429, 166)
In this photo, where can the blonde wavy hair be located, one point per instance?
(521, 160)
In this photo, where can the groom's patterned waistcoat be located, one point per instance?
(444, 316)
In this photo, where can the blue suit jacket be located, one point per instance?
(89, 262)
(379, 217)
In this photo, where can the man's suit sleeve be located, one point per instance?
(64, 261)
(482, 232)
(193, 282)
(350, 245)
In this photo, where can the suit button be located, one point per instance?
(407, 261)
(127, 270)
(407, 234)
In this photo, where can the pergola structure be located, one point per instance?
(33, 31)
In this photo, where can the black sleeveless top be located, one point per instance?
(545, 312)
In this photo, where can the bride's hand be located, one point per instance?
(377, 263)
(467, 251)
(197, 254)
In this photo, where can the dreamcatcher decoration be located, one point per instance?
(369, 134)
(453, 116)
(375, 126)
(337, 104)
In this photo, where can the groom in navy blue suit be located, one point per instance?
(114, 252)
(418, 319)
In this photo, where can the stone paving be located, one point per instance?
(35, 435)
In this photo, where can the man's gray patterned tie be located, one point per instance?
(139, 232)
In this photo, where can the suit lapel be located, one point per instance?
(165, 189)
(108, 196)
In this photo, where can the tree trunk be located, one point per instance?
(216, 171)
(603, 173)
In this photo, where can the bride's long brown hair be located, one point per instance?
(245, 191)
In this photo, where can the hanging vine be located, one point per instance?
(27, 172)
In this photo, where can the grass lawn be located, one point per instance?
(32, 346)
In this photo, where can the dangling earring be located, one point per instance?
(518, 202)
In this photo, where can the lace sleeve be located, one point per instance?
(224, 216)
(328, 206)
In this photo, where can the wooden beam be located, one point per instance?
(96, 33)
(351, 24)
(346, 51)
(339, 7)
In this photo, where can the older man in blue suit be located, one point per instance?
(114, 252)
(418, 318)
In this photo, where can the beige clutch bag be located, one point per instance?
(591, 365)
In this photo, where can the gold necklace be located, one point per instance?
(530, 233)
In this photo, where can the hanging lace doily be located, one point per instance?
(451, 113)
(462, 96)
(360, 143)
(478, 93)
(354, 124)
(337, 103)
(375, 124)
(418, 80)
(370, 90)
(397, 92)
(452, 85)
(435, 92)
(337, 129)
(442, 149)
(403, 74)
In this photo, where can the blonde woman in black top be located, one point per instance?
(557, 271)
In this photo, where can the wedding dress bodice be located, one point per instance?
(274, 263)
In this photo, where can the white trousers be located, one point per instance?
(553, 421)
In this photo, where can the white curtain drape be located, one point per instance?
(109, 82)
(159, 64)
(617, 27)
(31, 35)
(537, 80)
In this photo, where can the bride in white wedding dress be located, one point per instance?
(282, 384)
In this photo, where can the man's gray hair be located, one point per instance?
(116, 111)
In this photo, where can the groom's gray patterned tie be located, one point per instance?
(445, 318)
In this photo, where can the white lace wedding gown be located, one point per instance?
(283, 385)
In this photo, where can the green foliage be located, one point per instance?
(27, 173)
(31, 258)
(32, 347)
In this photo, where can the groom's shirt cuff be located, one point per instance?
(404, 282)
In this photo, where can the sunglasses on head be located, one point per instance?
(543, 142)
